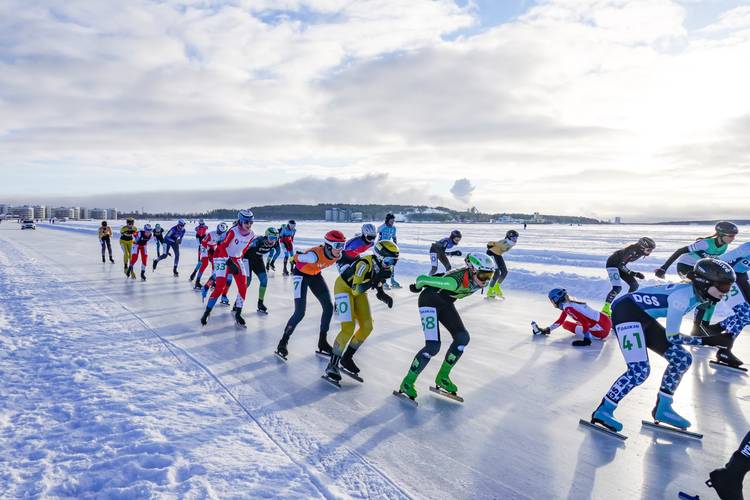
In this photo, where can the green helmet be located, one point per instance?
(272, 233)
(479, 262)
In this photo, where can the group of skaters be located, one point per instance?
(708, 273)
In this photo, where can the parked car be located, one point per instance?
(28, 224)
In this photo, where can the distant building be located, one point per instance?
(24, 212)
(618, 220)
(112, 213)
(3, 209)
(63, 213)
(84, 213)
(537, 219)
(357, 217)
(40, 212)
(98, 213)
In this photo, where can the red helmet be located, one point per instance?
(335, 239)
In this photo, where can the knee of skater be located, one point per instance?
(687, 359)
(327, 307)
(263, 278)
(640, 374)
(431, 348)
(462, 340)
(365, 328)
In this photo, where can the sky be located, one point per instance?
(601, 108)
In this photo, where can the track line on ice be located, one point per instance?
(311, 471)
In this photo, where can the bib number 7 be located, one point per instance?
(632, 341)
(297, 286)
(428, 315)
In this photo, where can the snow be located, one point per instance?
(110, 388)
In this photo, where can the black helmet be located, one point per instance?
(711, 272)
(647, 243)
(104, 223)
(389, 217)
(455, 234)
(726, 228)
(291, 223)
(512, 235)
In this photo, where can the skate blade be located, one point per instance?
(406, 398)
(352, 375)
(684, 496)
(328, 379)
(602, 429)
(264, 313)
(280, 356)
(321, 353)
(442, 392)
(729, 367)
(669, 428)
(240, 326)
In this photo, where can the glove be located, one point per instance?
(413, 288)
(456, 253)
(384, 297)
(232, 267)
(640, 276)
(660, 273)
(718, 340)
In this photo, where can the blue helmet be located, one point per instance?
(245, 215)
(557, 296)
(181, 222)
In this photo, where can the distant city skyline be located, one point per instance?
(597, 108)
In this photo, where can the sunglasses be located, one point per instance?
(724, 287)
(390, 261)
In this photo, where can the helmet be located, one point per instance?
(512, 235)
(221, 227)
(368, 231)
(455, 234)
(712, 273)
(104, 223)
(726, 228)
(130, 220)
(272, 233)
(390, 217)
(200, 222)
(482, 265)
(386, 252)
(557, 296)
(647, 243)
(245, 215)
(291, 223)
(147, 227)
(157, 225)
(335, 239)
(181, 222)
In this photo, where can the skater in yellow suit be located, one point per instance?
(496, 249)
(126, 242)
(353, 306)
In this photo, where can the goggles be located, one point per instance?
(336, 245)
(369, 237)
(724, 287)
(484, 275)
(390, 261)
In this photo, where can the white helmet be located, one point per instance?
(368, 231)
(221, 227)
(481, 265)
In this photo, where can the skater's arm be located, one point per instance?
(674, 257)
(308, 257)
(441, 282)
(678, 304)
(360, 273)
(559, 321)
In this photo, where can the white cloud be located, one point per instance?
(462, 190)
(182, 94)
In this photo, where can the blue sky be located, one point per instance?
(637, 106)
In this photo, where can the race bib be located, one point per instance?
(429, 319)
(614, 276)
(632, 341)
(343, 307)
(724, 308)
(220, 267)
(297, 286)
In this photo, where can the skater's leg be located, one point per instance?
(320, 290)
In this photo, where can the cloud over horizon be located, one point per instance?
(633, 108)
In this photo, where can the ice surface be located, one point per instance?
(82, 362)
